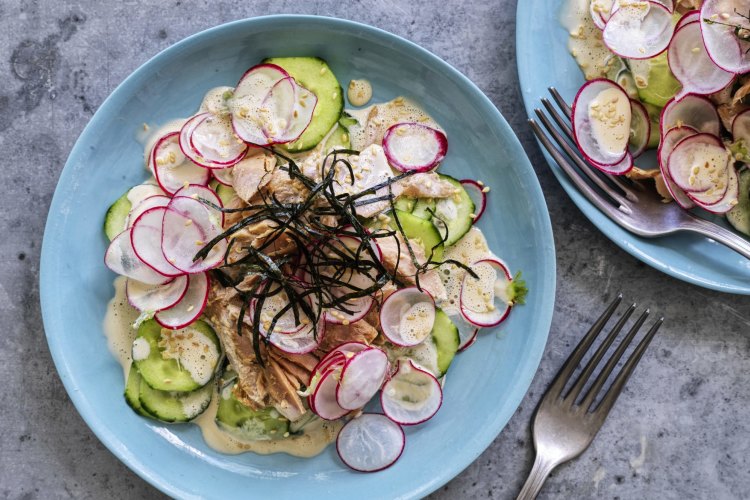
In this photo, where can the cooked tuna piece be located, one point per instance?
(335, 335)
(301, 375)
(283, 188)
(424, 185)
(252, 173)
(403, 265)
(283, 392)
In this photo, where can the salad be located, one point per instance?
(288, 263)
(672, 76)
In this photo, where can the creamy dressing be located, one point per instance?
(195, 352)
(374, 120)
(215, 100)
(585, 40)
(359, 92)
(417, 322)
(609, 115)
(155, 134)
(471, 248)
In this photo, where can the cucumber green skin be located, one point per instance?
(167, 406)
(248, 424)
(405, 204)
(116, 217)
(347, 120)
(739, 216)
(165, 374)
(338, 139)
(307, 72)
(445, 336)
(132, 392)
(422, 230)
(463, 221)
(424, 208)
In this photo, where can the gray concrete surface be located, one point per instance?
(685, 406)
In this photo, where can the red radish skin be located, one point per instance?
(146, 239)
(361, 378)
(632, 35)
(730, 198)
(198, 192)
(121, 258)
(680, 169)
(401, 139)
(156, 298)
(581, 124)
(189, 308)
(146, 204)
(196, 138)
(470, 342)
(362, 437)
(477, 194)
(182, 170)
(689, 17)
(667, 144)
(741, 127)
(692, 110)
(623, 167)
(324, 397)
(404, 416)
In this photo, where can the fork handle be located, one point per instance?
(539, 472)
(720, 234)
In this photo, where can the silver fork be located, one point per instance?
(563, 428)
(629, 204)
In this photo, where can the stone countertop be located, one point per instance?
(680, 430)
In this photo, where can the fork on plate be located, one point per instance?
(628, 203)
(566, 422)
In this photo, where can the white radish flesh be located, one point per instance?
(370, 442)
(600, 11)
(323, 400)
(147, 204)
(204, 194)
(291, 109)
(639, 30)
(484, 301)
(692, 66)
(640, 128)
(412, 395)
(601, 121)
(305, 340)
(718, 20)
(121, 258)
(407, 316)
(690, 17)
(248, 115)
(172, 168)
(188, 226)
(211, 142)
(477, 194)
(154, 298)
(146, 237)
(189, 308)
(467, 333)
(668, 142)
(620, 168)
(414, 147)
(741, 127)
(361, 377)
(693, 110)
(731, 196)
(224, 175)
(699, 163)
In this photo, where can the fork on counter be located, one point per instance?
(628, 203)
(565, 423)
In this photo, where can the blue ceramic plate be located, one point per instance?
(485, 385)
(543, 61)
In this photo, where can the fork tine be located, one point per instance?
(614, 391)
(575, 391)
(573, 155)
(563, 375)
(612, 362)
(592, 195)
(567, 110)
(561, 102)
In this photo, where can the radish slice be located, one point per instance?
(467, 333)
(286, 324)
(412, 395)
(407, 316)
(601, 11)
(341, 352)
(690, 17)
(246, 105)
(336, 360)
(621, 168)
(224, 175)
(154, 298)
(138, 193)
(171, 168)
(188, 226)
(719, 19)
(477, 195)
(741, 126)
(413, 146)
(370, 442)
(670, 140)
(291, 108)
(121, 258)
(361, 377)
(692, 66)
(640, 129)
(354, 309)
(693, 110)
(639, 30)
(669, 4)
(300, 342)
(468, 341)
(201, 193)
(147, 204)
(731, 197)
(699, 163)
(323, 399)
(601, 122)
(189, 308)
(209, 141)
(146, 237)
(485, 301)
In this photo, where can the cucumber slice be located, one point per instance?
(424, 208)
(175, 406)
(739, 216)
(132, 392)
(421, 230)
(454, 214)
(225, 193)
(314, 74)
(446, 339)
(347, 120)
(339, 139)
(424, 354)
(405, 204)
(117, 216)
(247, 424)
(197, 362)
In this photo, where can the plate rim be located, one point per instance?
(547, 280)
(628, 242)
